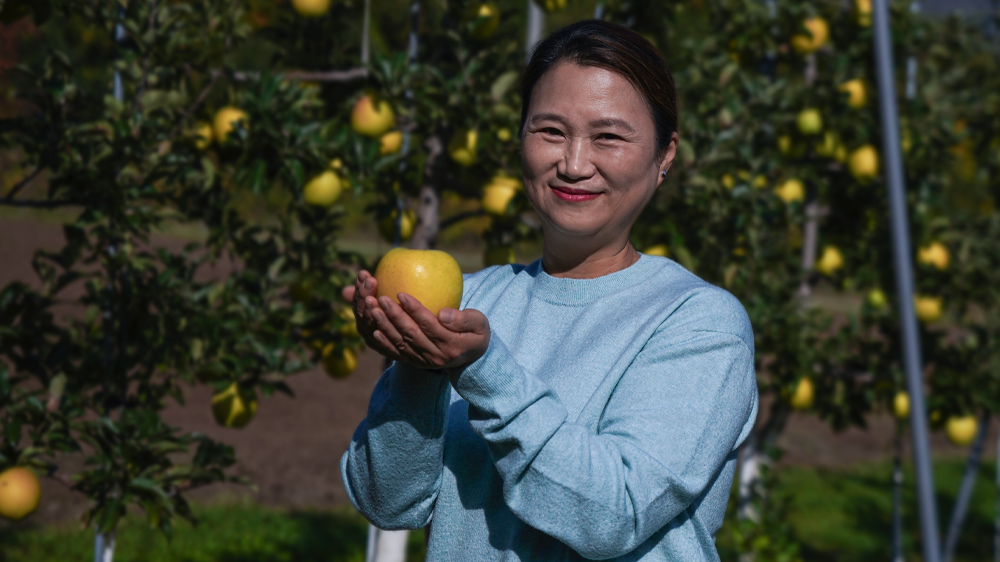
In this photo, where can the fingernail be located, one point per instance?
(403, 299)
(368, 283)
(377, 314)
(446, 314)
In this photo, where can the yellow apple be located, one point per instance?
(504, 134)
(498, 194)
(928, 309)
(785, 144)
(224, 120)
(311, 8)
(20, 493)
(856, 95)
(387, 226)
(339, 363)
(462, 147)
(802, 398)
(901, 405)
(323, 190)
(830, 145)
(390, 143)
(552, 6)
(830, 261)
(487, 19)
(863, 163)
(234, 406)
(863, 12)
(790, 191)
(498, 255)
(430, 276)
(819, 32)
(657, 250)
(809, 121)
(727, 181)
(203, 134)
(349, 327)
(876, 298)
(934, 254)
(372, 121)
(961, 430)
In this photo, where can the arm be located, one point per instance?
(669, 426)
(392, 468)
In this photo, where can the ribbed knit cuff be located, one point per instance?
(416, 391)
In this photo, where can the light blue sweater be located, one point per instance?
(602, 422)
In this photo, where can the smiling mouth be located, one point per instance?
(574, 195)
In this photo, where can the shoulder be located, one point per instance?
(488, 280)
(698, 306)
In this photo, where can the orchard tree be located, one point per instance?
(159, 121)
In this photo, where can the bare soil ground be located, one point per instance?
(292, 448)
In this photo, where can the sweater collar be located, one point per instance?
(576, 292)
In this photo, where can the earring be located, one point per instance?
(663, 174)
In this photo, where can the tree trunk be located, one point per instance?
(754, 457)
(104, 547)
(536, 22)
(386, 546)
(429, 204)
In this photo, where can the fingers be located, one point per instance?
(402, 330)
(461, 321)
(348, 293)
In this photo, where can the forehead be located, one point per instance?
(589, 92)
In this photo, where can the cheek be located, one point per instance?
(538, 156)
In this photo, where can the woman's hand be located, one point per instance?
(410, 333)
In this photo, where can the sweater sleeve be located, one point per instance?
(393, 467)
(676, 414)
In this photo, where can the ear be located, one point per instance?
(667, 160)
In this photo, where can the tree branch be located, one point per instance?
(20, 185)
(308, 76)
(454, 219)
(41, 204)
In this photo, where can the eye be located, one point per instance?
(551, 131)
(608, 136)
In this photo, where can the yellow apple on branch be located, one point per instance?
(372, 119)
(20, 493)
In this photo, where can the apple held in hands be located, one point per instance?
(430, 276)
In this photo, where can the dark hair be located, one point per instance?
(615, 48)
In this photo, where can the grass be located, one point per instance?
(846, 515)
(231, 532)
(836, 515)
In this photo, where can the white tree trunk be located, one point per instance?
(386, 546)
(104, 547)
(536, 22)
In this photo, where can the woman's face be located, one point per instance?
(589, 153)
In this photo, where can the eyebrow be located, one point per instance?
(606, 122)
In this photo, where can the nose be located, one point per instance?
(576, 162)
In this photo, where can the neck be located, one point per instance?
(576, 261)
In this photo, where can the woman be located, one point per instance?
(590, 404)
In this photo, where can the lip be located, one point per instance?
(574, 195)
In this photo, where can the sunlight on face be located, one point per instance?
(589, 152)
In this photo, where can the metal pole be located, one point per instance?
(912, 362)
